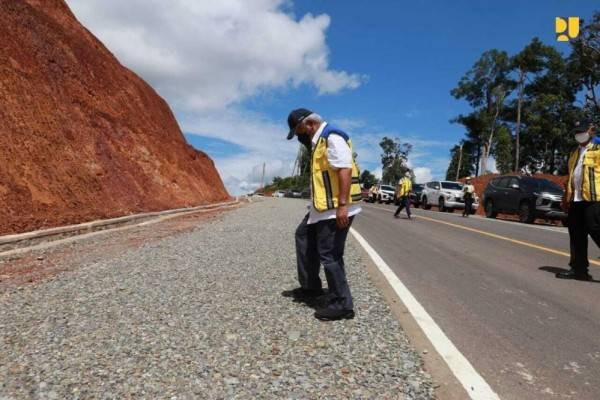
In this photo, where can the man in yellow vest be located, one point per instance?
(402, 192)
(321, 236)
(582, 200)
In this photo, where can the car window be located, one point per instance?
(513, 181)
(436, 185)
(502, 183)
(544, 185)
(386, 187)
(549, 186)
(452, 186)
(417, 187)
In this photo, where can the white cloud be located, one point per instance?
(422, 174)
(210, 54)
(243, 174)
(207, 57)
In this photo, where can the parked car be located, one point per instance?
(446, 195)
(385, 193)
(278, 193)
(364, 193)
(296, 193)
(414, 196)
(305, 194)
(526, 196)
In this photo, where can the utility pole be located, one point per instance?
(459, 162)
(262, 179)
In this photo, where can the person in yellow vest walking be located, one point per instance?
(582, 200)
(321, 236)
(402, 192)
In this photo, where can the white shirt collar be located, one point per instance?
(317, 135)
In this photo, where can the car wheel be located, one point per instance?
(442, 204)
(416, 205)
(426, 205)
(489, 209)
(450, 209)
(526, 214)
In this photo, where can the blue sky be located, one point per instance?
(375, 68)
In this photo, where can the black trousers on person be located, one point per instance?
(323, 243)
(468, 205)
(583, 220)
(404, 202)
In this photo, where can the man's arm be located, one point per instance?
(344, 179)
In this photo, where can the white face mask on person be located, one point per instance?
(582, 137)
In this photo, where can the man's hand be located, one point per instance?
(341, 217)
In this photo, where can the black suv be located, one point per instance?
(415, 194)
(526, 196)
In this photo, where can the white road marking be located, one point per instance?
(479, 218)
(474, 384)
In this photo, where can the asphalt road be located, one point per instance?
(490, 286)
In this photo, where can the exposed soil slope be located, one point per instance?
(82, 137)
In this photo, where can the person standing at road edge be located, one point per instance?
(469, 196)
(403, 192)
(321, 236)
(582, 200)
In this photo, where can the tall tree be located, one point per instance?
(486, 86)
(394, 157)
(584, 64)
(367, 179)
(529, 61)
(550, 115)
(466, 161)
(502, 149)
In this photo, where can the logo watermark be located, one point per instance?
(567, 28)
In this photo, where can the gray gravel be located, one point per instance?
(200, 315)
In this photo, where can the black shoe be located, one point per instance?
(301, 293)
(574, 275)
(328, 314)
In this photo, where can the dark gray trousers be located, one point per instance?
(323, 243)
(583, 220)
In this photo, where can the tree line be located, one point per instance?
(524, 105)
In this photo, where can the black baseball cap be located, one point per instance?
(582, 126)
(295, 118)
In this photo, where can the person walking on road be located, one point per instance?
(321, 236)
(403, 192)
(469, 196)
(582, 200)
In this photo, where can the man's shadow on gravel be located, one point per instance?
(555, 270)
(314, 302)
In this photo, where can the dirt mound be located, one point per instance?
(481, 183)
(82, 137)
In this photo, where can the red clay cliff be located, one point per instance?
(81, 136)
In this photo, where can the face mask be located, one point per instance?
(582, 137)
(304, 139)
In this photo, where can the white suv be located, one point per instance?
(385, 193)
(446, 195)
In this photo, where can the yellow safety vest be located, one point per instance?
(590, 183)
(325, 183)
(404, 187)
